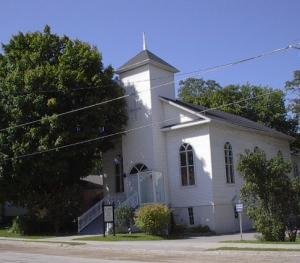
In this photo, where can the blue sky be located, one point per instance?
(189, 34)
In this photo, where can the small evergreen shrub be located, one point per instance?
(124, 218)
(153, 219)
(18, 226)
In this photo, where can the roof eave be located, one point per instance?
(184, 125)
(268, 133)
(144, 62)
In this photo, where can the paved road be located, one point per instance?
(190, 250)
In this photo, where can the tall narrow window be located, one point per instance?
(191, 215)
(118, 163)
(187, 164)
(229, 163)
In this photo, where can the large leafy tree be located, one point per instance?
(42, 75)
(257, 103)
(294, 86)
(293, 89)
(270, 194)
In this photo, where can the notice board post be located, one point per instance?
(108, 216)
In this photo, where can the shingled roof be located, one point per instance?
(229, 118)
(143, 58)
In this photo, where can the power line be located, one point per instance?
(129, 130)
(205, 70)
(64, 113)
(195, 73)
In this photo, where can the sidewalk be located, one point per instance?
(179, 245)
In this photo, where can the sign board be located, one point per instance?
(239, 207)
(108, 211)
(108, 216)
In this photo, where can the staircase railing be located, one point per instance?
(96, 210)
(90, 215)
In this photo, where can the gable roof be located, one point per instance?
(229, 118)
(143, 58)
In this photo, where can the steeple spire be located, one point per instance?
(144, 41)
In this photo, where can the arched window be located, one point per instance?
(229, 163)
(139, 167)
(187, 164)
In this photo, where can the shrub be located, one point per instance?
(178, 229)
(271, 227)
(200, 229)
(18, 226)
(30, 225)
(124, 218)
(153, 219)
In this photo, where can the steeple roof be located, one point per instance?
(145, 57)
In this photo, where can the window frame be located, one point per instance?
(139, 167)
(229, 163)
(187, 150)
(191, 215)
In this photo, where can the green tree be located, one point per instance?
(270, 194)
(268, 109)
(293, 89)
(42, 75)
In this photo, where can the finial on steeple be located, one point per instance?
(144, 41)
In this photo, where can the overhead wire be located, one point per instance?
(204, 70)
(195, 73)
(129, 130)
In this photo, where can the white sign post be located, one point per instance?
(239, 208)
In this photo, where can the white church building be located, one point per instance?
(180, 154)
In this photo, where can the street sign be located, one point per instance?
(239, 207)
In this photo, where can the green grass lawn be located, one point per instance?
(255, 249)
(4, 232)
(261, 242)
(123, 237)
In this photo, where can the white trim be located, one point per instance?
(184, 125)
(184, 108)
